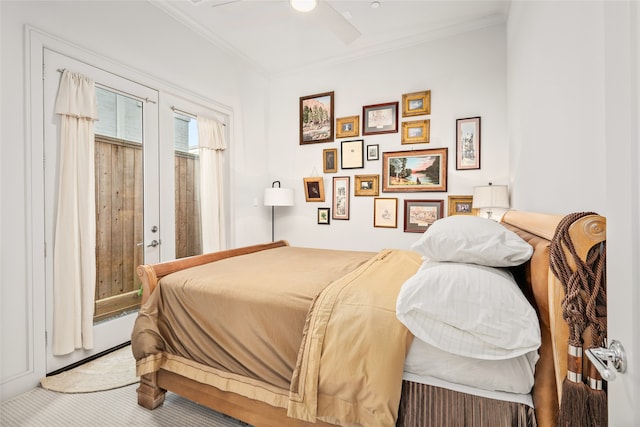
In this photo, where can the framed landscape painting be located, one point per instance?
(348, 127)
(380, 118)
(415, 131)
(316, 118)
(416, 103)
(461, 205)
(414, 171)
(420, 214)
(367, 185)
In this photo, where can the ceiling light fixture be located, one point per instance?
(375, 4)
(303, 5)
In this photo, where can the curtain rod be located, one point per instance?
(193, 116)
(62, 70)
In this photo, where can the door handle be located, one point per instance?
(153, 243)
(614, 354)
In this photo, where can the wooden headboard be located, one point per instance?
(546, 293)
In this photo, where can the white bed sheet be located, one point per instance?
(509, 380)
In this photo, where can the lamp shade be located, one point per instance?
(491, 196)
(277, 196)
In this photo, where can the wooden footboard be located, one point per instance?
(150, 274)
(153, 387)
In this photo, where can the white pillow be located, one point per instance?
(472, 239)
(469, 310)
(514, 375)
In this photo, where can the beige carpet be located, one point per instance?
(113, 370)
(111, 408)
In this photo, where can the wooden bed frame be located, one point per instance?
(544, 290)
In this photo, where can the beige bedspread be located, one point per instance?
(350, 365)
(219, 328)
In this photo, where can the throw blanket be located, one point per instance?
(349, 369)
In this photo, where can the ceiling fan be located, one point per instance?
(321, 10)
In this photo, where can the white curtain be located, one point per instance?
(212, 143)
(74, 254)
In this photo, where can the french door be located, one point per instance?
(129, 232)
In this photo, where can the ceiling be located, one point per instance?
(272, 36)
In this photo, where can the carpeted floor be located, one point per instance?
(102, 393)
(112, 408)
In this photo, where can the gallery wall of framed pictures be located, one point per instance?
(407, 173)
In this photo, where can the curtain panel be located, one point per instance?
(212, 143)
(74, 256)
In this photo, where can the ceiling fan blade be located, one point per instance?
(220, 2)
(340, 26)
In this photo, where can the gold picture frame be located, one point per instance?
(366, 185)
(347, 127)
(330, 160)
(461, 205)
(385, 212)
(416, 103)
(414, 170)
(314, 189)
(416, 132)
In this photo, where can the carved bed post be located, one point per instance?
(150, 396)
(149, 281)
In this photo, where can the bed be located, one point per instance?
(339, 352)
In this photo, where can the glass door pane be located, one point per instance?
(187, 187)
(119, 203)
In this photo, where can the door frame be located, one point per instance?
(622, 94)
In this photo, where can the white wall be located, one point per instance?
(467, 77)
(556, 106)
(139, 37)
(551, 54)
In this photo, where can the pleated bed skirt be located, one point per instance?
(423, 405)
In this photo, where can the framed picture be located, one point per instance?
(414, 171)
(468, 143)
(330, 160)
(347, 127)
(341, 197)
(415, 131)
(380, 118)
(416, 103)
(367, 185)
(352, 156)
(461, 205)
(373, 152)
(323, 215)
(385, 212)
(420, 214)
(314, 189)
(316, 118)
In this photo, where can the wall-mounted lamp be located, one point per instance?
(303, 5)
(276, 196)
(490, 197)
